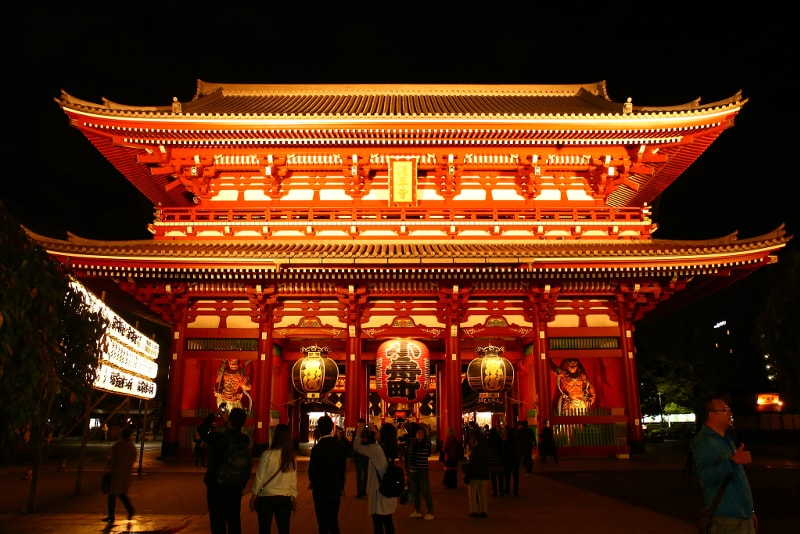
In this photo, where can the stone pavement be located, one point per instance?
(169, 497)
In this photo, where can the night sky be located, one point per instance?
(145, 53)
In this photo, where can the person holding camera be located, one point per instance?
(380, 454)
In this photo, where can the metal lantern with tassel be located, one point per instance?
(315, 374)
(490, 374)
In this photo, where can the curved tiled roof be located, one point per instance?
(574, 254)
(227, 118)
(678, 271)
(219, 101)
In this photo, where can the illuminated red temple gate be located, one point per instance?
(459, 217)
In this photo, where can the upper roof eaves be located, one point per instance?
(431, 250)
(391, 100)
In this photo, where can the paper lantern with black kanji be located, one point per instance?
(490, 374)
(314, 375)
(402, 371)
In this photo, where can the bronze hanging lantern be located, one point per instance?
(315, 374)
(490, 374)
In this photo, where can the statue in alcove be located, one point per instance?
(576, 392)
(233, 385)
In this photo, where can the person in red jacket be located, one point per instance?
(451, 456)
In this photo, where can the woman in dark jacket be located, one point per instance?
(496, 462)
(547, 444)
(120, 464)
(476, 474)
(512, 459)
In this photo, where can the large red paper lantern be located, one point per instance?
(314, 375)
(402, 371)
(490, 374)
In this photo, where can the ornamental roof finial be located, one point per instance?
(490, 350)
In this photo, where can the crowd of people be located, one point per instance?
(488, 461)
(490, 458)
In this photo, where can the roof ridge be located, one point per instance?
(254, 89)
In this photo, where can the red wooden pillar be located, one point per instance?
(526, 382)
(631, 377)
(362, 384)
(353, 396)
(280, 390)
(451, 385)
(544, 398)
(262, 385)
(171, 441)
(295, 422)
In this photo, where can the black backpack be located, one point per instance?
(234, 471)
(393, 481)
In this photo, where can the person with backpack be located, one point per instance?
(229, 468)
(327, 466)
(274, 490)
(381, 455)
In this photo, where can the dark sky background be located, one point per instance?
(144, 53)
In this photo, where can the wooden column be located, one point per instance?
(295, 423)
(280, 391)
(352, 369)
(451, 385)
(171, 440)
(631, 377)
(262, 385)
(363, 386)
(543, 375)
(524, 385)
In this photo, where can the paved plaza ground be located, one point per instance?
(647, 493)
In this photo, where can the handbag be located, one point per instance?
(404, 496)
(467, 475)
(105, 482)
(707, 514)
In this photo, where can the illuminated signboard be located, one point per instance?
(128, 365)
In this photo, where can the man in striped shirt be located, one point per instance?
(418, 474)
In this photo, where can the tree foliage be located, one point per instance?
(671, 362)
(686, 359)
(49, 341)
